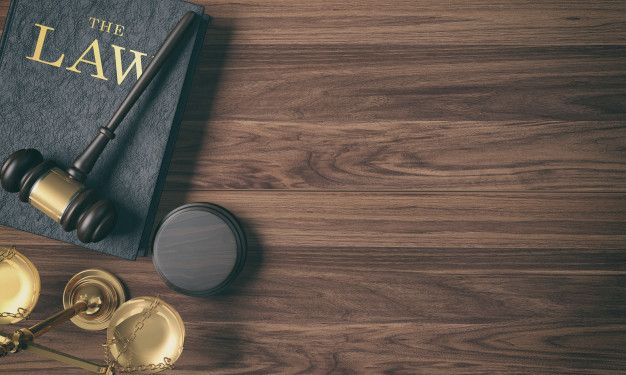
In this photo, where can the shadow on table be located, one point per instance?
(227, 343)
(196, 123)
(222, 341)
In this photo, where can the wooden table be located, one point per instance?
(429, 187)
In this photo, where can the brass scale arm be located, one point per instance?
(23, 339)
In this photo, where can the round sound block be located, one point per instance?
(199, 249)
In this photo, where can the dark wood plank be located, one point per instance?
(431, 22)
(533, 346)
(414, 220)
(400, 156)
(4, 9)
(397, 282)
(334, 84)
(363, 108)
(354, 118)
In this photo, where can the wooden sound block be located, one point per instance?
(199, 249)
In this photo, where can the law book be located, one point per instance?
(65, 66)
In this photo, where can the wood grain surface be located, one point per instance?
(427, 187)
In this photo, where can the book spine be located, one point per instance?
(7, 28)
(147, 234)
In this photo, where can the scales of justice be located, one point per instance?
(144, 334)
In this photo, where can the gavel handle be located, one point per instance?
(87, 159)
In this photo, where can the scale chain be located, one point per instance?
(7, 253)
(114, 364)
(21, 313)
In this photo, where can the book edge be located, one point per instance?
(175, 124)
(7, 27)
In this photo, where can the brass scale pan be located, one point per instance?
(20, 286)
(145, 334)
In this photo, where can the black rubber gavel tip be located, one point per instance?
(17, 165)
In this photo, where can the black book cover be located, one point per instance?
(65, 66)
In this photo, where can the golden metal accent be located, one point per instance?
(146, 369)
(21, 313)
(102, 291)
(144, 335)
(6, 345)
(56, 319)
(20, 286)
(160, 343)
(54, 192)
(7, 253)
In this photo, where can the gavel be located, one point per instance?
(62, 194)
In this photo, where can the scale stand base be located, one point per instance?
(102, 290)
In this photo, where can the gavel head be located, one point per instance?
(55, 193)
